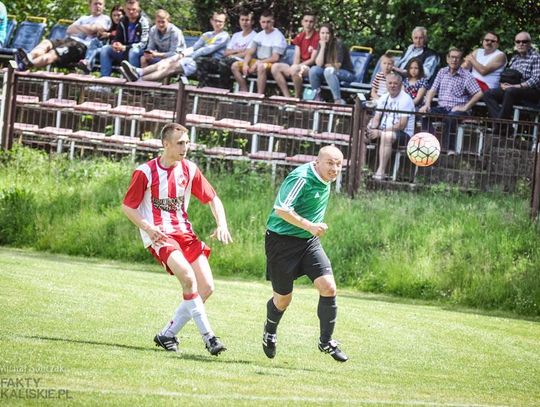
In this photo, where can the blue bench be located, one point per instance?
(27, 36)
(58, 31)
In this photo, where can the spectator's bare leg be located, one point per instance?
(162, 69)
(280, 72)
(43, 54)
(261, 78)
(385, 151)
(297, 76)
(237, 73)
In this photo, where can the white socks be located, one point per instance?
(188, 309)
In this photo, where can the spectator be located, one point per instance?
(235, 51)
(333, 63)
(3, 24)
(415, 84)
(419, 49)
(527, 62)
(486, 63)
(305, 50)
(71, 49)
(103, 38)
(165, 40)
(268, 46)
(211, 43)
(378, 86)
(458, 92)
(390, 123)
(130, 41)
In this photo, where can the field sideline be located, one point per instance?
(85, 326)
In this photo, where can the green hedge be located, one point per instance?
(479, 250)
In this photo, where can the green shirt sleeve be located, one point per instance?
(289, 192)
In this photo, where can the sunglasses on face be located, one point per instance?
(522, 41)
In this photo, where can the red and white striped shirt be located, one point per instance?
(161, 195)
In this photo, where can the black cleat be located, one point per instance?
(269, 344)
(129, 72)
(168, 343)
(214, 345)
(331, 347)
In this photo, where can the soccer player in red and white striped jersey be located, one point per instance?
(156, 202)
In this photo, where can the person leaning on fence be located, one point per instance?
(211, 43)
(71, 49)
(130, 41)
(457, 92)
(104, 37)
(165, 40)
(415, 83)
(305, 51)
(390, 124)
(526, 88)
(378, 85)
(157, 202)
(265, 49)
(419, 49)
(332, 63)
(207, 68)
(487, 63)
(3, 24)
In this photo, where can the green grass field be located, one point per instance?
(86, 326)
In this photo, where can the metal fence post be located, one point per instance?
(358, 149)
(181, 101)
(8, 107)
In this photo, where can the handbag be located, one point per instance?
(511, 76)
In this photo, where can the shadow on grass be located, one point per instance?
(181, 355)
(385, 298)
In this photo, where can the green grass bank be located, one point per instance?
(473, 250)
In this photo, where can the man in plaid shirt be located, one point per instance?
(457, 91)
(527, 61)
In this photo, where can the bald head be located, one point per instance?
(329, 162)
(330, 151)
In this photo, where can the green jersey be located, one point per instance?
(305, 192)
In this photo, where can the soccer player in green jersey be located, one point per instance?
(293, 248)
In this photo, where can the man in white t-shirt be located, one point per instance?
(486, 63)
(235, 51)
(71, 49)
(390, 124)
(267, 46)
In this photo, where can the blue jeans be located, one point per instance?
(92, 51)
(332, 77)
(108, 56)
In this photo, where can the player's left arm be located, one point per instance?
(222, 230)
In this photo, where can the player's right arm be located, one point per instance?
(289, 193)
(153, 231)
(316, 229)
(130, 207)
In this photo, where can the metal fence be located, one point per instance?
(79, 114)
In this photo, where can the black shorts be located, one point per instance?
(289, 257)
(69, 51)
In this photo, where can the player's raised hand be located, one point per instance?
(222, 234)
